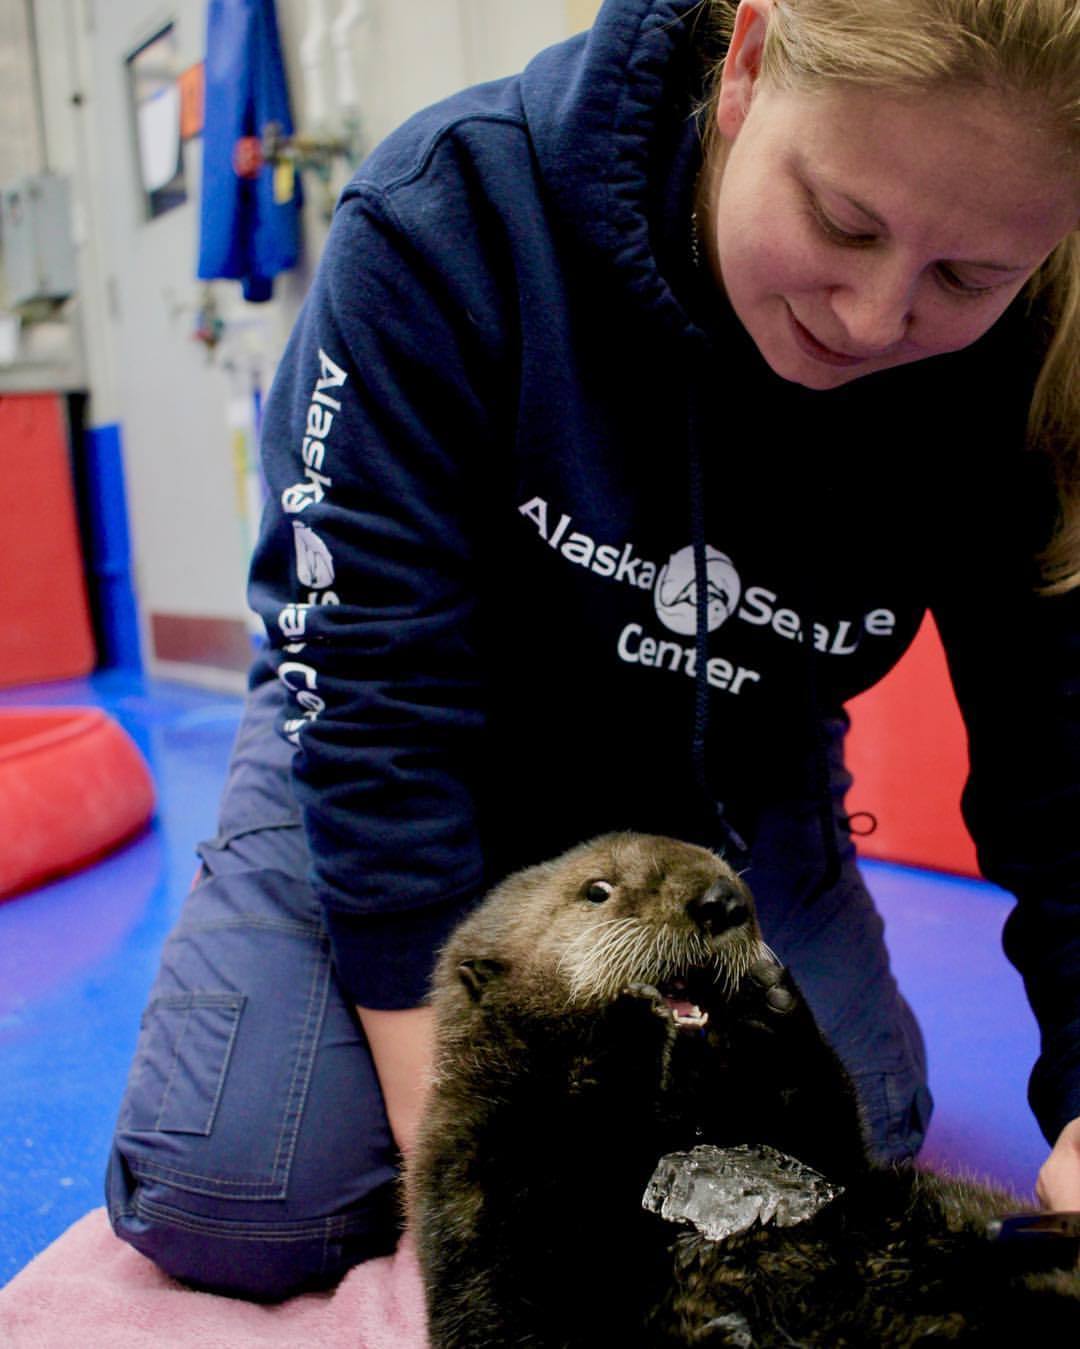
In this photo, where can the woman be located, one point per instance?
(634, 419)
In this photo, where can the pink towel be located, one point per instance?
(91, 1289)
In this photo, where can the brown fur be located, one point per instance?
(563, 1075)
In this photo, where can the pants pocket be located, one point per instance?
(227, 1049)
(181, 1061)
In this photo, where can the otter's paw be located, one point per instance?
(638, 1029)
(730, 1331)
(767, 1002)
(645, 1002)
(772, 983)
(642, 1006)
(648, 995)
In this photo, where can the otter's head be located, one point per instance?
(621, 910)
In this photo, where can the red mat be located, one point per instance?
(47, 632)
(907, 751)
(73, 786)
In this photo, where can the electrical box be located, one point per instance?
(35, 240)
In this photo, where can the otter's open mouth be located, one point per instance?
(687, 1014)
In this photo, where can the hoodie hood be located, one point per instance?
(612, 119)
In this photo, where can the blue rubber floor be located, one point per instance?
(77, 958)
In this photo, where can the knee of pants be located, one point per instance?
(252, 1154)
(897, 1107)
(893, 1092)
(837, 954)
(262, 1257)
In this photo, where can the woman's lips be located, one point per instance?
(817, 350)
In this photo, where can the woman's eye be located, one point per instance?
(836, 233)
(948, 277)
(955, 283)
(598, 891)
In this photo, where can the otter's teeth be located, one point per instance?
(687, 1014)
(683, 1011)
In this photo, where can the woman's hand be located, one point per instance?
(1058, 1186)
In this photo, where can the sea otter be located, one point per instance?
(604, 1011)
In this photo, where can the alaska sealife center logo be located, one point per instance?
(676, 591)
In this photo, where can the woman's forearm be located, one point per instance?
(401, 1044)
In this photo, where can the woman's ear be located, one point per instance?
(742, 66)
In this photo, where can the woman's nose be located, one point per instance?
(874, 310)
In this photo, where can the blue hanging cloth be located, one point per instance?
(246, 232)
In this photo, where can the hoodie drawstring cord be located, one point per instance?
(735, 848)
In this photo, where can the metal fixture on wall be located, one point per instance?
(287, 155)
(331, 112)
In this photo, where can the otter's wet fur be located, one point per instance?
(571, 1056)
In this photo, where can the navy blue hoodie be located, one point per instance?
(551, 550)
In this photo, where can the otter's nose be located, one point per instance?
(720, 908)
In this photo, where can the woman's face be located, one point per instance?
(854, 231)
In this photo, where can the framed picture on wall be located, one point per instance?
(153, 80)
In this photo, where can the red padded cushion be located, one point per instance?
(908, 753)
(73, 786)
(47, 630)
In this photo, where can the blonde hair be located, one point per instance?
(1027, 50)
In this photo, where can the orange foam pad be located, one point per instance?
(73, 786)
(907, 751)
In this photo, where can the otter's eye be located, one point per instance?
(598, 891)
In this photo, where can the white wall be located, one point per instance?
(21, 150)
(137, 291)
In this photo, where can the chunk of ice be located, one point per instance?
(723, 1191)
